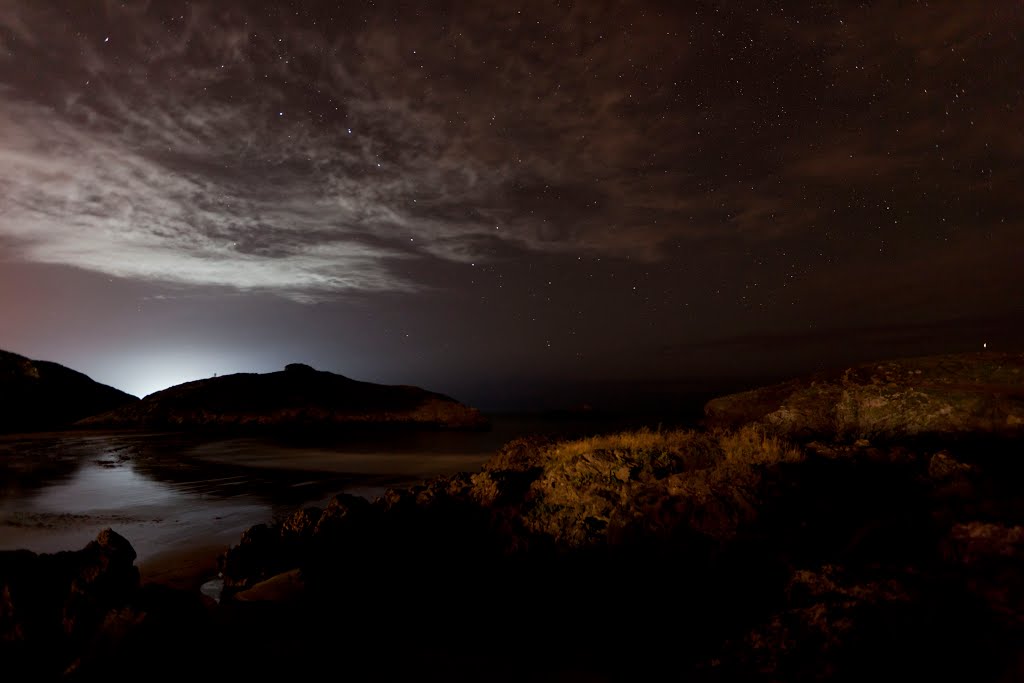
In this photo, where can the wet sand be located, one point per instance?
(186, 568)
(182, 499)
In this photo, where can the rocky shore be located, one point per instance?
(84, 615)
(937, 397)
(749, 551)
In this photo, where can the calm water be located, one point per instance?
(169, 492)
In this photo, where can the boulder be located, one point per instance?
(52, 606)
(284, 587)
(345, 511)
(257, 556)
(944, 467)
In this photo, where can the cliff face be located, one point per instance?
(934, 396)
(38, 395)
(298, 397)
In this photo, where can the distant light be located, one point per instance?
(280, 113)
(984, 345)
(350, 131)
(107, 39)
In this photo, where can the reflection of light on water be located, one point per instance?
(213, 588)
(370, 493)
(95, 488)
(154, 516)
(194, 510)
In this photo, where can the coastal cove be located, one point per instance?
(867, 519)
(190, 495)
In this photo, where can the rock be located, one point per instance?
(398, 500)
(284, 587)
(343, 512)
(991, 556)
(106, 576)
(935, 396)
(979, 542)
(298, 397)
(257, 556)
(162, 631)
(52, 606)
(943, 466)
(38, 395)
(838, 626)
(300, 525)
(264, 551)
(826, 612)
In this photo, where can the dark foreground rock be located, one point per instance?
(722, 556)
(932, 397)
(297, 398)
(84, 616)
(716, 556)
(38, 395)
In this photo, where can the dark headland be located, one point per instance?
(298, 397)
(860, 525)
(37, 395)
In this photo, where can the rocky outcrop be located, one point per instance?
(990, 556)
(51, 606)
(83, 615)
(842, 625)
(37, 395)
(298, 397)
(936, 397)
(825, 562)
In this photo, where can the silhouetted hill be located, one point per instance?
(37, 395)
(297, 397)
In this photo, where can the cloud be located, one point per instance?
(210, 145)
(218, 151)
(104, 201)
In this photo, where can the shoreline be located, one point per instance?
(184, 569)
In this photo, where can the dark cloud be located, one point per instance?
(673, 172)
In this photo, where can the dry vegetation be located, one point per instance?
(591, 491)
(774, 561)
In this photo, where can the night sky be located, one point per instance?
(512, 203)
